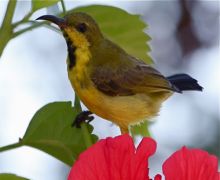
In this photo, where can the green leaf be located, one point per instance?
(122, 28)
(38, 4)
(50, 131)
(6, 176)
(140, 129)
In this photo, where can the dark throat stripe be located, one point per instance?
(71, 53)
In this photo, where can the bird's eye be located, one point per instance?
(81, 27)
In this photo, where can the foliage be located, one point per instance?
(38, 4)
(50, 130)
(6, 176)
(126, 29)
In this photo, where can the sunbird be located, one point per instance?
(110, 82)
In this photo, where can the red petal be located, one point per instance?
(191, 164)
(114, 159)
(146, 148)
(158, 177)
(119, 154)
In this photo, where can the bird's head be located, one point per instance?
(78, 28)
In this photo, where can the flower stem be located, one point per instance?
(77, 104)
(10, 147)
(84, 127)
(6, 29)
(24, 20)
(63, 6)
(35, 25)
(86, 135)
(148, 131)
(9, 14)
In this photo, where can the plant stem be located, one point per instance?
(27, 29)
(86, 135)
(9, 14)
(63, 6)
(84, 127)
(5, 38)
(77, 103)
(35, 25)
(10, 147)
(6, 29)
(24, 20)
(147, 130)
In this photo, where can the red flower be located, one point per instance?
(191, 164)
(114, 159)
(117, 159)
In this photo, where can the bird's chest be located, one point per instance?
(87, 92)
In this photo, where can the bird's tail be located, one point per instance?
(184, 82)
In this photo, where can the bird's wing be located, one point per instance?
(123, 81)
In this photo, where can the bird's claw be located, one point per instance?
(84, 116)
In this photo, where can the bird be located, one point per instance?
(110, 82)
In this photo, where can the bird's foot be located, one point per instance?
(84, 116)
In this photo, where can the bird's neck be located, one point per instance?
(78, 49)
(79, 56)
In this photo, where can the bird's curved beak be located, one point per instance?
(61, 22)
